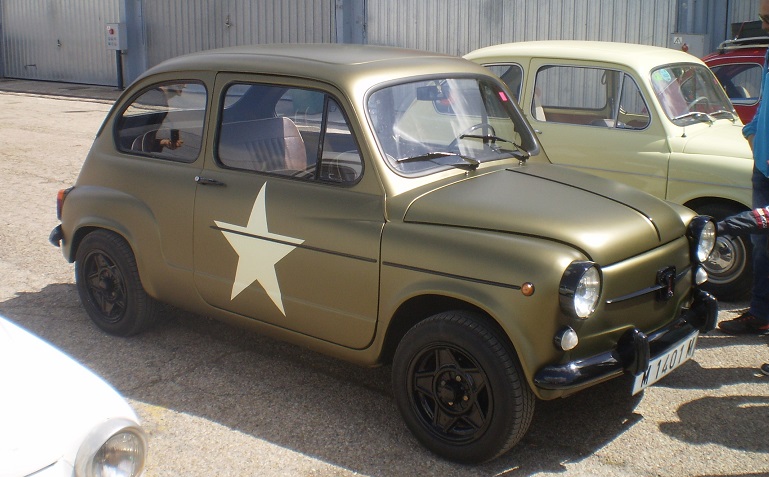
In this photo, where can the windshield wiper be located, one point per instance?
(469, 163)
(720, 112)
(697, 115)
(520, 153)
(487, 137)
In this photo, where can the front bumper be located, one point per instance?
(634, 349)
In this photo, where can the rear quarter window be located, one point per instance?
(164, 121)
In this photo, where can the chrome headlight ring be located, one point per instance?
(117, 447)
(580, 289)
(702, 237)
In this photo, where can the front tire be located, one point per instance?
(109, 286)
(460, 389)
(730, 266)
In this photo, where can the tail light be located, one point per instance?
(60, 200)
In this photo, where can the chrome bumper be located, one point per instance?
(634, 349)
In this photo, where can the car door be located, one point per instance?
(596, 119)
(287, 221)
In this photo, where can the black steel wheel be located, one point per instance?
(459, 388)
(109, 286)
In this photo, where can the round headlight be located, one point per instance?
(702, 233)
(580, 289)
(122, 455)
(116, 448)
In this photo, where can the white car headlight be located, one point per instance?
(115, 448)
(580, 289)
(702, 237)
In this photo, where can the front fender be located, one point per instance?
(486, 270)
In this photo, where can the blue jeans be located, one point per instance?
(759, 304)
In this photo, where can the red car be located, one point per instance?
(737, 64)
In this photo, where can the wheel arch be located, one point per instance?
(419, 308)
(701, 202)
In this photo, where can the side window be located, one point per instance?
(165, 121)
(596, 97)
(286, 131)
(742, 82)
(511, 75)
(633, 112)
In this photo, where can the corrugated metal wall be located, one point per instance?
(175, 27)
(58, 41)
(741, 11)
(64, 40)
(459, 26)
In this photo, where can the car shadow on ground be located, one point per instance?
(322, 407)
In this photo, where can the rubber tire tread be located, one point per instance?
(470, 326)
(141, 309)
(740, 288)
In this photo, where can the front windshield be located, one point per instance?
(429, 125)
(690, 93)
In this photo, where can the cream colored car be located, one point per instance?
(654, 118)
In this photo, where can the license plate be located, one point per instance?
(661, 366)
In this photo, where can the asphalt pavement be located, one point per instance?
(217, 401)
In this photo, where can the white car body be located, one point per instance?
(52, 409)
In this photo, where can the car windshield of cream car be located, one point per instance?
(687, 94)
(428, 125)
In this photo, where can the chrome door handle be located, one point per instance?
(206, 181)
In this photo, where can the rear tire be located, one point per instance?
(109, 286)
(460, 389)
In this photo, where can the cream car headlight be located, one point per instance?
(702, 237)
(115, 448)
(580, 289)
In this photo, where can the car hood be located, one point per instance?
(717, 140)
(49, 403)
(607, 220)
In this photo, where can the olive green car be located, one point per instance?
(383, 206)
(651, 117)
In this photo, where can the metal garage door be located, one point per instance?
(58, 41)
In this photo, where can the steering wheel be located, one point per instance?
(472, 128)
(698, 100)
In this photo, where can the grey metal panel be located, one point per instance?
(742, 11)
(58, 40)
(175, 27)
(459, 26)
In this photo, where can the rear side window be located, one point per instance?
(165, 121)
(286, 131)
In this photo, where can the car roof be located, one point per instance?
(638, 57)
(341, 64)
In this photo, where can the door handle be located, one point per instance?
(207, 181)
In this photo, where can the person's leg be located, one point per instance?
(759, 304)
(756, 320)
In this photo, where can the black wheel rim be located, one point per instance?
(450, 394)
(105, 285)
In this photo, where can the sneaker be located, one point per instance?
(745, 324)
(764, 369)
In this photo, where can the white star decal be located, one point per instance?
(257, 261)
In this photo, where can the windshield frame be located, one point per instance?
(683, 108)
(454, 160)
